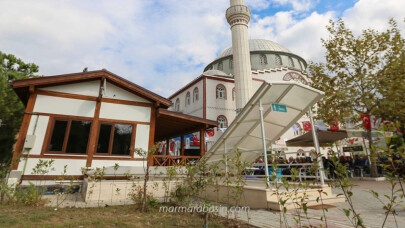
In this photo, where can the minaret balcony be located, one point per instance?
(238, 12)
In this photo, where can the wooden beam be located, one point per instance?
(24, 128)
(167, 147)
(202, 143)
(182, 145)
(94, 129)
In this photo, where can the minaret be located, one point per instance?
(238, 16)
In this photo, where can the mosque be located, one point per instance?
(229, 81)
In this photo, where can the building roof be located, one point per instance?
(21, 87)
(171, 124)
(257, 45)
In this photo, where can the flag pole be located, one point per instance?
(317, 148)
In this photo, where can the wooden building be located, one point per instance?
(94, 119)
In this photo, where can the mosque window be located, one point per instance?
(233, 94)
(188, 98)
(231, 63)
(278, 61)
(222, 122)
(290, 62)
(177, 105)
(195, 94)
(263, 59)
(220, 66)
(221, 92)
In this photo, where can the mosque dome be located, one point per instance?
(216, 73)
(264, 54)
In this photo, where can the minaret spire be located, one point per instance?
(238, 16)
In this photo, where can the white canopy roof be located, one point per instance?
(245, 131)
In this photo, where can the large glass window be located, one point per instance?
(69, 136)
(115, 139)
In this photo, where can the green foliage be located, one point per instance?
(11, 108)
(361, 74)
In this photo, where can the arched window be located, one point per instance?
(195, 94)
(221, 92)
(263, 59)
(177, 105)
(233, 94)
(278, 61)
(231, 63)
(290, 62)
(188, 97)
(220, 66)
(222, 122)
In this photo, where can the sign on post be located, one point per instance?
(279, 108)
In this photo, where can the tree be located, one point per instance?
(360, 75)
(11, 108)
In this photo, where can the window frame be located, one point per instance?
(226, 121)
(263, 59)
(195, 91)
(233, 93)
(217, 94)
(177, 105)
(110, 146)
(278, 57)
(49, 133)
(188, 99)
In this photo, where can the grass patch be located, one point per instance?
(113, 216)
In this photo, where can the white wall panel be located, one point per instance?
(142, 137)
(90, 88)
(125, 112)
(73, 166)
(115, 92)
(110, 163)
(40, 127)
(64, 106)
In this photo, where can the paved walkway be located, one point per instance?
(364, 203)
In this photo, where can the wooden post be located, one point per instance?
(94, 128)
(182, 145)
(167, 146)
(24, 128)
(202, 142)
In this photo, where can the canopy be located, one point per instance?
(171, 124)
(292, 101)
(324, 138)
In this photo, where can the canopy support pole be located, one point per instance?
(266, 165)
(317, 148)
(226, 159)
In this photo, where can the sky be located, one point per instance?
(164, 44)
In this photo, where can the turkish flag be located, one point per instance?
(211, 133)
(366, 121)
(195, 140)
(306, 125)
(172, 146)
(351, 141)
(334, 125)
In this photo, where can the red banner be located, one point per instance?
(172, 146)
(306, 125)
(211, 133)
(366, 121)
(195, 140)
(334, 125)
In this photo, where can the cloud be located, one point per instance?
(374, 14)
(258, 4)
(297, 5)
(162, 44)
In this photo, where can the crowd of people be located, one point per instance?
(356, 165)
